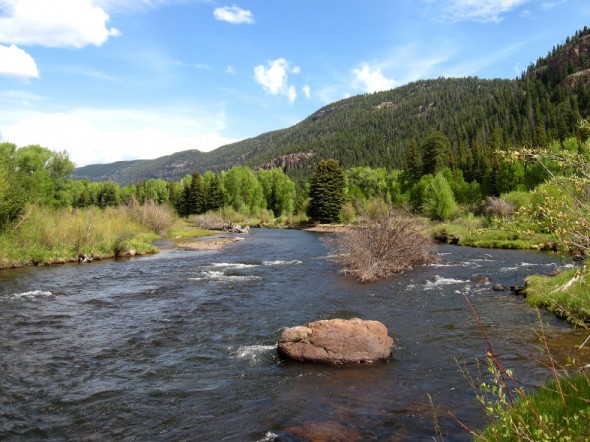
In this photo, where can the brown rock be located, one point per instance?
(481, 280)
(337, 341)
(329, 431)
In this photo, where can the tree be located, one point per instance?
(435, 150)
(196, 196)
(439, 201)
(326, 192)
(413, 162)
(242, 190)
(279, 191)
(108, 194)
(213, 191)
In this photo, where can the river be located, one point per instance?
(182, 345)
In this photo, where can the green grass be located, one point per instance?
(473, 232)
(562, 294)
(558, 411)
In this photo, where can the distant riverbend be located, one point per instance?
(182, 345)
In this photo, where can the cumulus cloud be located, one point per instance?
(101, 136)
(233, 14)
(16, 63)
(274, 78)
(370, 79)
(56, 23)
(481, 10)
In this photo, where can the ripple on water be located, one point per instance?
(30, 295)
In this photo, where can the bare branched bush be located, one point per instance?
(387, 243)
(208, 221)
(495, 206)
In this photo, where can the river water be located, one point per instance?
(182, 345)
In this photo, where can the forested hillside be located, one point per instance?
(375, 130)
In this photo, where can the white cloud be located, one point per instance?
(233, 14)
(481, 10)
(16, 63)
(306, 91)
(274, 78)
(370, 79)
(230, 69)
(107, 135)
(56, 23)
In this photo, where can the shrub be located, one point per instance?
(157, 217)
(518, 199)
(385, 244)
(495, 206)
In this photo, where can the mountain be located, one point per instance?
(545, 103)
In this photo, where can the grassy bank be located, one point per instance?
(567, 295)
(45, 236)
(478, 232)
(558, 411)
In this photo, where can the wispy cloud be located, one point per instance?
(274, 78)
(548, 6)
(233, 14)
(306, 91)
(480, 10)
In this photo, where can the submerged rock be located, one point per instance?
(337, 341)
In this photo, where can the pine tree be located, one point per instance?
(326, 192)
(196, 201)
(214, 197)
(435, 152)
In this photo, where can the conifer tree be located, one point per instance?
(326, 192)
(435, 152)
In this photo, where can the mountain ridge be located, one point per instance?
(374, 130)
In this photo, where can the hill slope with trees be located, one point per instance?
(375, 130)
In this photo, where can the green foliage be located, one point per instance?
(519, 199)
(242, 189)
(558, 411)
(326, 192)
(418, 192)
(439, 201)
(279, 191)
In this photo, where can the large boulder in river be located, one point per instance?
(337, 341)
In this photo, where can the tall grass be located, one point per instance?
(47, 235)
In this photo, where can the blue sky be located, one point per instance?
(112, 80)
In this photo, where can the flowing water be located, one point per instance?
(182, 345)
